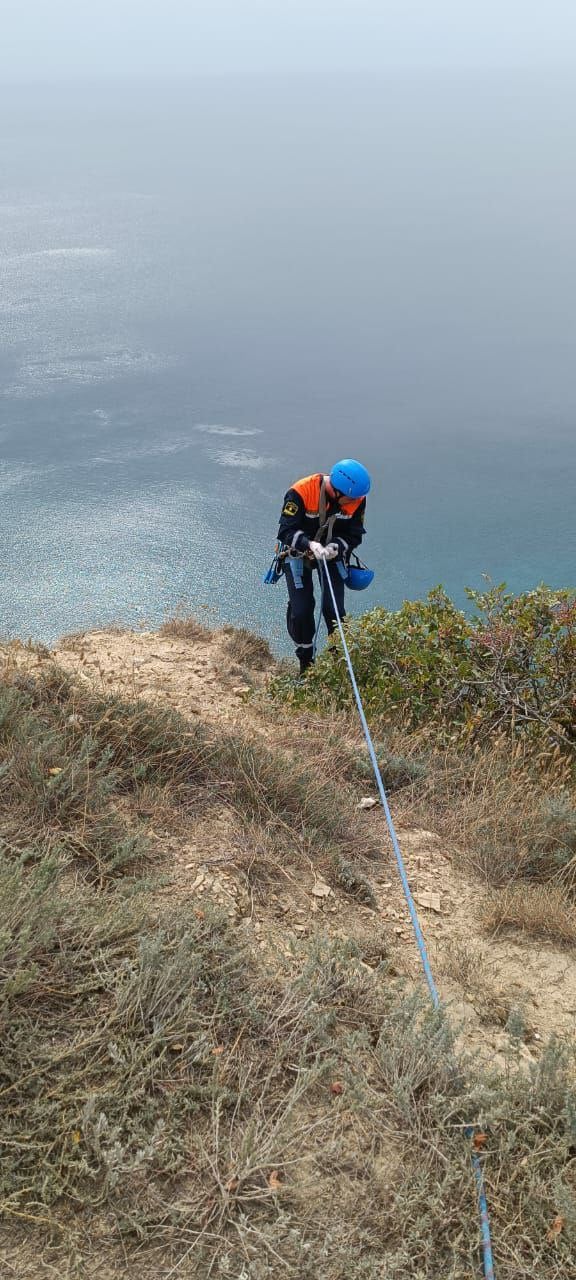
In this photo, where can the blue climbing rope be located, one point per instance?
(488, 1261)
(319, 622)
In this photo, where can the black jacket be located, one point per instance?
(296, 529)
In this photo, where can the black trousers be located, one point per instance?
(301, 602)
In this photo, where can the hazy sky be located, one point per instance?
(58, 39)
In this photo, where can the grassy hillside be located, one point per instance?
(177, 1100)
(485, 705)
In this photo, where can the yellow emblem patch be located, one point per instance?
(290, 509)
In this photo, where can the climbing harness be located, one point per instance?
(488, 1262)
(356, 574)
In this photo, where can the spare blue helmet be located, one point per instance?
(359, 578)
(350, 478)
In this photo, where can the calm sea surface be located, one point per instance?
(209, 290)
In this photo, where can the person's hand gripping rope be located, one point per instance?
(324, 553)
(318, 550)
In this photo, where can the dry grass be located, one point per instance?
(336, 744)
(309, 1125)
(164, 1086)
(539, 911)
(469, 967)
(247, 649)
(74, 641)
(86, 772)
(76, 765)
(505, 819)
(185, 627)
(509, 819)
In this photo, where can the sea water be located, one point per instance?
(211, 289)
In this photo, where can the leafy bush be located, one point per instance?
(508, 667)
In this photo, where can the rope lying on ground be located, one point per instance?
(488, 1261)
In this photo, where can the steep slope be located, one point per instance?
(482, 979)
(219, 1058)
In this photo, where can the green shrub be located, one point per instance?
(508, 667)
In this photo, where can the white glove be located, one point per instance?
(332, 550)
(318, 550)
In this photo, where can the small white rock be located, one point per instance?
(429, 900)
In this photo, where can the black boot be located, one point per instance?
(305, 659)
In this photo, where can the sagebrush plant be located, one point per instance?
(508, 665)
(159, 1081)
(350, 877)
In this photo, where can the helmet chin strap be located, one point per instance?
(333, 493)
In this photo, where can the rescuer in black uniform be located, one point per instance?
(322, 520)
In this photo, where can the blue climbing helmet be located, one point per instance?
(350, 478)
(359, 576)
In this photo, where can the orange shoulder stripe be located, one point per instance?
(309, 490)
